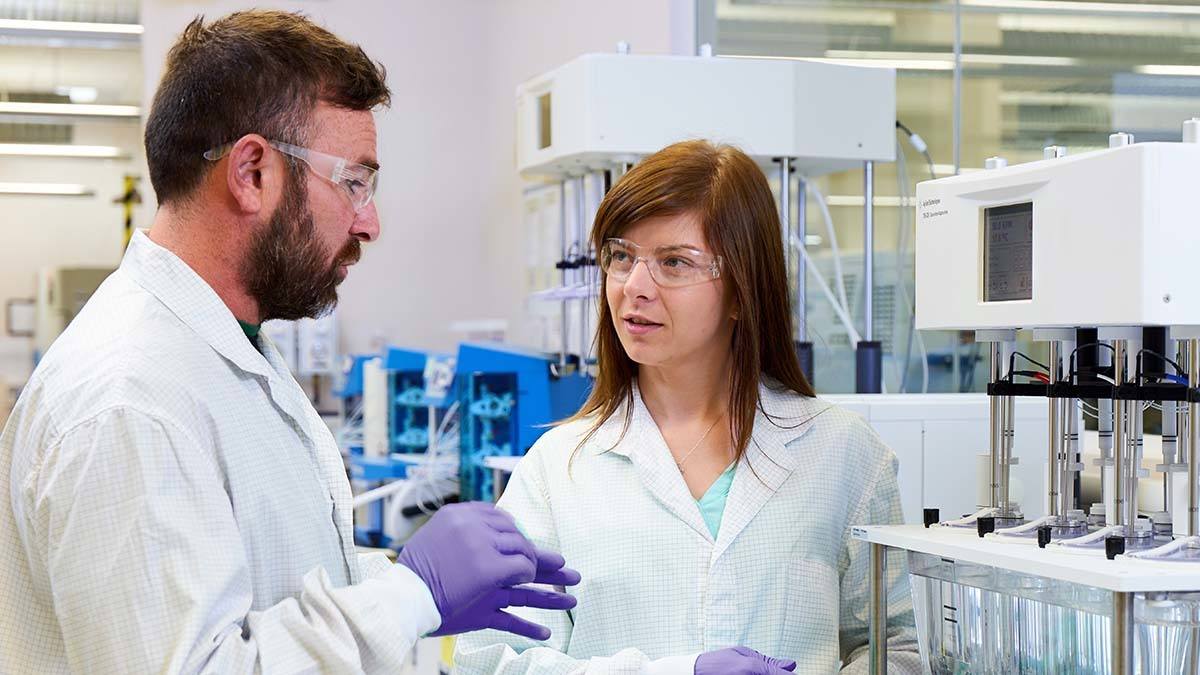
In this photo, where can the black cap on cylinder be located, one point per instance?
(1043, 534)
(931, 516)
(985, 525)
(1114, 546)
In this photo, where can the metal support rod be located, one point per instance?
(1182, 437)
(1054, 466)
(785, 208)
(1068, 459)
(1006, 450)
(868, 277)
(1122, 634)
(995, 419)
(1193, 433)
(1137, 424)
(497, 484)
(582, 231)
(801, 269)
(1120, 440)
(1170, 451)
(957, 122)
(877, 622)
(785, 203)
(566, 249)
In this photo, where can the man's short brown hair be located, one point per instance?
(259, 72)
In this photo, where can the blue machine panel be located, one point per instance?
(509, 399)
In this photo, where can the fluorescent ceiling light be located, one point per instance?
(69, 109)
(1153, 69)
(857, 200)
(945, 62)
(70, 27)
(948, 169)
(60, 150)
(1071, 6)
(78, 94)
(899, 64)
(58, 189)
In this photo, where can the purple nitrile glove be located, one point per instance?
(473, 558)
(741, 661)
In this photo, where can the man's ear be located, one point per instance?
(252, 171)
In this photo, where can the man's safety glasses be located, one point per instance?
(356, 180)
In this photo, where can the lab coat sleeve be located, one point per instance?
(880, 505)
(494, 652)
(373, 564)
(129, 517)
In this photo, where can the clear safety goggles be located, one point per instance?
(669, 266)
(356, 180)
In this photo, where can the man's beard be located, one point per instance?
(287, 270)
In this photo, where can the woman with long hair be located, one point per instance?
(703, 491)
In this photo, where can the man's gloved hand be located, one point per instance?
(473, 558)
(741, 661)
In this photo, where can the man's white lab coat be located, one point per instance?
(171, 502)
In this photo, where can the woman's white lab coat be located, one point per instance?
(782, 575)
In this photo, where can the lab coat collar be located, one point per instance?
(770, 458)
(168, 278)
(783, 416)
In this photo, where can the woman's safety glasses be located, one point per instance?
(356, 180)
(669, 266)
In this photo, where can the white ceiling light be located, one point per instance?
(58, 27)
(899, 64)
(1154, 69)
(78, 94)
(58, 150)
(57, 189)
(1073, 7)
(943, 58)
(857, 200)
(68, 109)
(948, 169)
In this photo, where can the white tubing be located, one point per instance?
(378, 493)
(981, 513)
(833, 242)
(901, 260)
(838, 308)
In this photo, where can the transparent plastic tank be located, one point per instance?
(985, 620)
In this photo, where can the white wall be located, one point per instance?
(43, 231)
(450, 198)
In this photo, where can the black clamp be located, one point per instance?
(1114, 546)
(985, 525)
(931, 517)
(1043, 536)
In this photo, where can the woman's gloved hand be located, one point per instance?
(741, 661)
(473, 559)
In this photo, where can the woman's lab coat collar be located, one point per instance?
(782, 418)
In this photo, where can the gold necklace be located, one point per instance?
(679, 462)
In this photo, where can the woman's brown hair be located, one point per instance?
(736, 208)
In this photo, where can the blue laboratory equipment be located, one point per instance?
(509, 397)
(351, 395)
(404, 425)
(408, 411)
